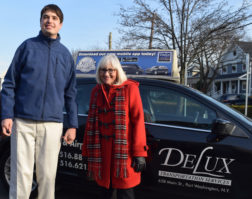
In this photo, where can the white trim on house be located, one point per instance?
(243, 85)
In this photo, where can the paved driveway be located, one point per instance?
(62, 192)
(70, 192)
(3, 193)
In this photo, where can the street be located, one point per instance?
(69, 192)
(62, 192)
(3, 192)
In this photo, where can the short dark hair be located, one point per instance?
(54, 8)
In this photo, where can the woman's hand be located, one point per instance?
(138, 163)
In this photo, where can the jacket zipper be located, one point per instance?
(48, 64)
(56, 66)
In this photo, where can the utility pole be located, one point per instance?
(247, 83)
(152, 29)
(110, 40)
(185, 75)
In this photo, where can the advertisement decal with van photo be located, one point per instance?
(134, 62)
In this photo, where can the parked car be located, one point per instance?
(157, 70)
(234, 99)
(197, 145)
(133, 69)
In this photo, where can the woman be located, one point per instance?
(115, 139)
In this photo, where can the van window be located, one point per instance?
(167, 106)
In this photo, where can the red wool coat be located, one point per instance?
(135, 131)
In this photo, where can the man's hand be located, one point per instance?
(7, 126)
(70, 135)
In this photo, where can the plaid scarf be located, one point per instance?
(120, 145)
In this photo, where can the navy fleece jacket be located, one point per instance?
(40, 81)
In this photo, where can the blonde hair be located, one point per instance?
(111, 59)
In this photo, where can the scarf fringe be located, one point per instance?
(121, 172)
(95, 175)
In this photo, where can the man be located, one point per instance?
(38, 83)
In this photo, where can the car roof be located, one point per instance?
(158, 81)
(137, 77)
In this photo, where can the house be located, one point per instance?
(193, 76)
(233, 73)
(2, 79)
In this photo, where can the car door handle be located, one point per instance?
(153, 139)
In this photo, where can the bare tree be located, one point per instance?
(209, 55)
(208, 59)
(74, 53)
(189, 26)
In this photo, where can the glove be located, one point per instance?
(138, 163)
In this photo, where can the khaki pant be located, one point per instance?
(39, 143)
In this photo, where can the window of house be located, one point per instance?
(244, 67)
(226, 87)
(224, 70)
(189, 74)
(234, 52)
(243, 85)
(233, 86)
(234, 68)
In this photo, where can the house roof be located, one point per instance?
(193, 68)
(245, 46)
(229, 76)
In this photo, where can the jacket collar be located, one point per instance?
(114, 87)
(48, 40)
(127, 82)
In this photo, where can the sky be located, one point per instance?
(86, 26)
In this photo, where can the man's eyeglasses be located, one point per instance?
(109, 70)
